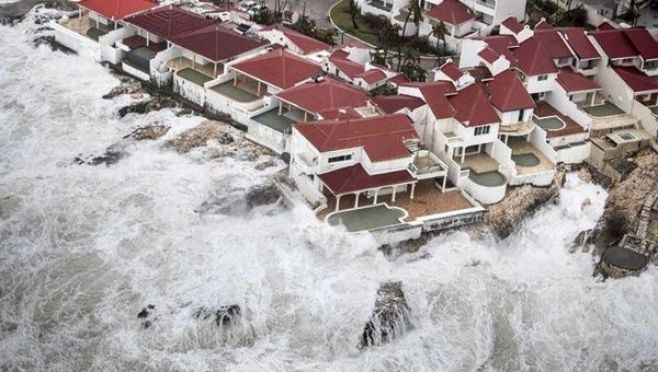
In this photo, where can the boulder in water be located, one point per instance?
(111, 156)
(262, 195)
(224, 316)
(390, 318)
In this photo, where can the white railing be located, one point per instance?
(647, 118)
(160, 73)
(561, 103)
(538, 139)
(82, 44)
(109, 52)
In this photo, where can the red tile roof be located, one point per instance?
(381, 137)
(216, 43)
(435, 95)
(533, 58)
(636, 80)
(627, 43)
(347, 67)
(168, 21)
(328, 94)
(543, 25)
(306, 43)
(643, 42)
(339, 113)
(279, 68)
(552, 40)
(372, 76)
(472, 107)
(451, 70)
(579, 43)
(605, 25)
(507, 92)
(117, 9)
(574, 82)
(452, 12)
(513, 25)
(393, 104)
(398, 79)
(489, 55)
(355, 178)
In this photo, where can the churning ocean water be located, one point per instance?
(83, 249)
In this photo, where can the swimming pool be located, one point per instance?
(526, 160)
(489, 179)
(363, 219)
(550, 123)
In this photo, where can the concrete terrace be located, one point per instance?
(427, 201)
(523, 154)
(544, 110)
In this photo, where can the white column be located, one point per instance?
(147, 39)
(193, 61)
(337, 202)
(463, 154)
(395, 189)
(445, 179)
(356, 199)
(376, 195)
(280, 108)
(592, 100)
(413, 190)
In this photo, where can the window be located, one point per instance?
(542, 77)
(480, 131)
(337, 159)
(563, 61)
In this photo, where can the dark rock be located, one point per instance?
(111, 156)
(143, 314)
(154, 104)
(185, 112)
(390, 318)
(150, 306)
(146, 324)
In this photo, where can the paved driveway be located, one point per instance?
(315, 9)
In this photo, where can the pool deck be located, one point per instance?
(428, 200)
(479, 163)
(519, 147)
(544, 109)
(194, 76)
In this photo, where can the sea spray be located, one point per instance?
(84, 249)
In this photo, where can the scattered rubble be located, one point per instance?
(390, 317)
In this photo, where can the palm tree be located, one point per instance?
(439, 31)
(353, 10)
(415, 10)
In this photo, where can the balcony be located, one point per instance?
(426, 165)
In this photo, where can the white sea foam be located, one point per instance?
(83, 249)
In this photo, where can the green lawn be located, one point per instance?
(340, 15)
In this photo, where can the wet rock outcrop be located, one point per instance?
(239, 203)
(201, 134)
(390, 317)
(151, 132)
(627, 233)
(126, 86)
(154, 104)
(503, 217)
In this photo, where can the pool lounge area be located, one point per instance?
(368, 218)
